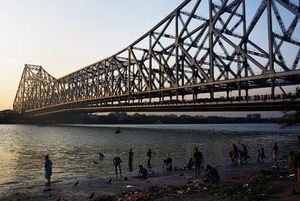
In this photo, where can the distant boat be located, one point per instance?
(118, 131)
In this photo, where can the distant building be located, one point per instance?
(254, 116)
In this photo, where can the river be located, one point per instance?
(74, 149)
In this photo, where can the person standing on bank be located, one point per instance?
(117, 163)
(130, 158)
(48, 170)
(275, 152)
(198, 160)
(245, 150)
(262, 153)
(149, 156)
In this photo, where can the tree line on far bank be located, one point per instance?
(10, 117)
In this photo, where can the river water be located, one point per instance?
(74, 149)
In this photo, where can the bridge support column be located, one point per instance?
(227, 91)
(272, 88)
(212, 92)
(239, 89)
(139, 98)
(194, 94)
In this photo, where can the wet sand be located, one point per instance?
(111, 188)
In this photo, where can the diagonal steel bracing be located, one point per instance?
(203, 52)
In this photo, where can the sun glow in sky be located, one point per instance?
(66, 35)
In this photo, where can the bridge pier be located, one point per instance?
(272, 88)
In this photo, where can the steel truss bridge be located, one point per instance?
(207, 55)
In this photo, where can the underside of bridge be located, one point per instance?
(222, 55)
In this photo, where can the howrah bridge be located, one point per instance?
(206, 55)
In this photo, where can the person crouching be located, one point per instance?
(211, 174)
(143, 173)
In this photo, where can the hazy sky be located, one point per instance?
(66, 35)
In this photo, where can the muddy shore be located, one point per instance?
(256, 181)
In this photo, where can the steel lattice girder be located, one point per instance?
(221, 45)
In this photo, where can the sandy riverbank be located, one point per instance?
(251, 181)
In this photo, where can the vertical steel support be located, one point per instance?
(182, 73)
(211, 53)
(129, 74)
(139, 83)
(160, 77)
(245, 62)
(150, 66)
(176, 53)
(112, 79)
(239, 89)
(270, 37)
(23, 90)
(100, 80)
(150, 51)
(97, 80)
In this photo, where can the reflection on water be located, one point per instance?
(74, 149)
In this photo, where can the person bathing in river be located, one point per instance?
(258, 156)
(235, 155)
(211, 174)
(262, 154)
(101, 156)
(275, 152)
(130, 158)
(245, 151)
(117, 163)
(149, 156)
(48, 170)
(190, 164)
(143, 173)
(168, 163)
(198, 160)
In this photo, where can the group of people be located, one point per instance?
(195, 161)
(237, 157)
(294, 162)
(260, 155)
(143, 173)
(211, 173)
(240, 156)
